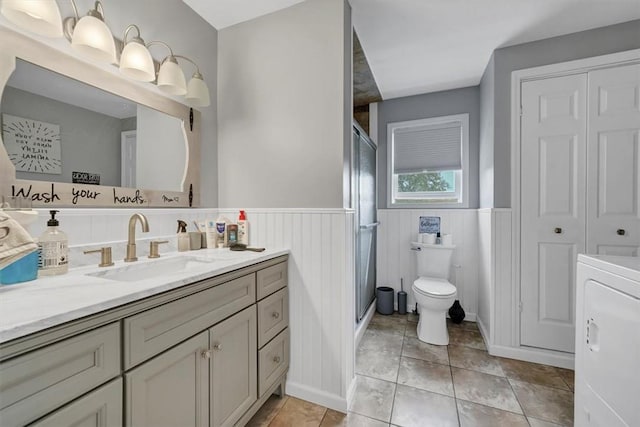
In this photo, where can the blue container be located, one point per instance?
(23, 270)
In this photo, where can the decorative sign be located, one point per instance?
(32, 146)
(430, 224)
(85, 178)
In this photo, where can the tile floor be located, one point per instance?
(404, 382)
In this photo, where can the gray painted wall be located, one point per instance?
(599, 41)
(281, 108)
(487, 115)
(457, 101)
(175, 23)
(89, 141)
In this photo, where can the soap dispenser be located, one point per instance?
(183, 236)
(54, 249)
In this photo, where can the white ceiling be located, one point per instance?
(420, 46)
(224, 13)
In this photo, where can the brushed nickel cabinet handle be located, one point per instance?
(275, 314)
(206, 354)
(276, 359)
(557, 230)
(217, 347)
(620, 231)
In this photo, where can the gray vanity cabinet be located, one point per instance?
(100, 408)
(233, 368)
(171, 389)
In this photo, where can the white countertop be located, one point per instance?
(30, 307)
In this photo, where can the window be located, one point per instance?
(428, 161)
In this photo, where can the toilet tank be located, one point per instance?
(433, 260)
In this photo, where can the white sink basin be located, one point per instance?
(151, 269)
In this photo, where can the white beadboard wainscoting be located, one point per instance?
(321, 296)
(399, 227)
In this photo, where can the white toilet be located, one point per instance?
(432, 291)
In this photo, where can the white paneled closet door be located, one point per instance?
(553, 180)
(613, 182)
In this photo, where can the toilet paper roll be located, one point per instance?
(428, 238)
(447, 239)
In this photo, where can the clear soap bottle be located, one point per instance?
(54, 249)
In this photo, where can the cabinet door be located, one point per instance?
(233, 369)
(171, 390)
(100, 408)
(613, 186)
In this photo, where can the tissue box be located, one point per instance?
(23, 270)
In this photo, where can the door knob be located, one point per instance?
(557, 230)
(275, 314)
(276, 359)
(206, 354)
(217, 347)
(620, 232)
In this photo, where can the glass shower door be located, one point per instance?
(366, 207)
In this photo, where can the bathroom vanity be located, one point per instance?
(204, 344)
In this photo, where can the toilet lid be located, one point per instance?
(434, 287)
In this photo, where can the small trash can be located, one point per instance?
(384, 300)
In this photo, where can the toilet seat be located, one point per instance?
(434, 287)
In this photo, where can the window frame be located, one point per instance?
(461, 178)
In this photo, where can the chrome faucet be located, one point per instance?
(131, 244)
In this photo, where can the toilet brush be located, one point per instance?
(402, 299)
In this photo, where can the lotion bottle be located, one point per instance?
(183, 237)
(243, 229)
(54, 249)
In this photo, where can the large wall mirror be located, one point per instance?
(76, 135)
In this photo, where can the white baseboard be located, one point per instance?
(528, 354)
(535, 355)
(319, 397)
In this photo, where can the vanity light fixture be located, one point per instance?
(170, 76)
(197, 89)
(135, 60)
(90, 35)
(41, 17)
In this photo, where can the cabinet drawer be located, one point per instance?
(100, 408)
(273, 361)
(271, 279)
(36, 383)
(160, 328)
(273, 316)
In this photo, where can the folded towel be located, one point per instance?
(15, 242)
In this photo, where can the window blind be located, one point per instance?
(434, 147)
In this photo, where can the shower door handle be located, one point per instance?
(372, 225)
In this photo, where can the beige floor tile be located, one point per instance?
(417, 349)
(534, 373)
(476, 360)
(568, 376)
(377, 364)
(298, 413)
(418, 408)
(534, 422)
(373, 398)
(413, 318)
(425, 375)
(389, 324)
(411, 330)
(470, 326)
(338, 419)
(544, 403)
(466, 337)
(268, 411)
(484, 389)
(381, 341)
(474, 415)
